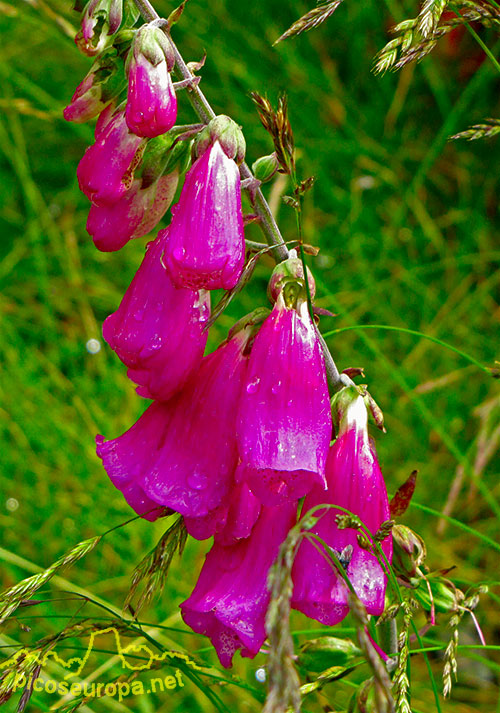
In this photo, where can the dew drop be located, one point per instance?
(197, 481)
(276, 387)
(260, 675)
(93, 346)
(253, 385)
(179, 253)
(139, 315)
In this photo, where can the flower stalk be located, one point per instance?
(268, 224)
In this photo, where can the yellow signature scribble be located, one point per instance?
(36, 657)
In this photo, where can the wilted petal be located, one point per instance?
(207, 247)
(230, 599)
(284, 420)
(355, 483)
(158, 329)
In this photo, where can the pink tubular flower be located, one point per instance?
(158, 331)
(356, 484)
(106, 170)
(124, 474)
(182, 453)
(232, 521)
(133, 215)
(284, 422)
(230, 599)
(151, 101)
(206, 246)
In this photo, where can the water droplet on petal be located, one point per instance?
(276, 387)
(253, 385)
(179, 253)
(139, 315)
(197, 481)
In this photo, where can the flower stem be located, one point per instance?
(267, 222)
(205, 113)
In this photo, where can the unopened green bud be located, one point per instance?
(409, 552)
(348, 405)
(153, 44)
(227, 133)
(289, 271)
(444, 596)
(265, 167)
(326, 652)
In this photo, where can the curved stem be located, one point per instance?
(205, 113)
(267, 222)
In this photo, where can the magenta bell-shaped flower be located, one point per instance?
(230, 600)
(182, 453)
(151, 101)
(232, 521)
(133, 215)
(124, 474)
(284, 422)
(355, 483)
(206, 248)
(158, 330)
(106, 170)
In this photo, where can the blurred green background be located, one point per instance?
(407, 223)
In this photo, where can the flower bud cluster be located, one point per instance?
(130, 88)
(234, 439)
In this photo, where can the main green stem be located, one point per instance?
(267, 222)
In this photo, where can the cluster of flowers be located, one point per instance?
(233, 440)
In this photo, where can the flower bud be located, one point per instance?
(409, 552)
(151, 101)
(206, 247)
(95, 91)
(445, 596)
(100, 19)
(227, 133)
(265, 167)
(289, 271)
(327, 651)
